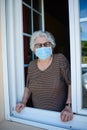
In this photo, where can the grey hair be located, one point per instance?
(40, 33)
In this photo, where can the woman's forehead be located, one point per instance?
(41, 39)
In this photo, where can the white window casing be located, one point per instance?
(4, 57)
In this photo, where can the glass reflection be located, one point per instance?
(83, 8)
(26, 20)
(83, 35)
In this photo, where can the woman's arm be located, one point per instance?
(26, 95)
(67, 114)
(22, 104)
(69, 100)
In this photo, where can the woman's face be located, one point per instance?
(43, 48)
(42, 42)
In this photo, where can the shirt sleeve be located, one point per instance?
(65, 69)
(28, 74)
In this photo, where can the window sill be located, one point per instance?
(48, 119)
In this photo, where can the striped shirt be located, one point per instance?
(49, 87)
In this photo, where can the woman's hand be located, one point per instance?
(19, 107)
(67, 114)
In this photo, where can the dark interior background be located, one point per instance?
(58, 10)
(57, 22)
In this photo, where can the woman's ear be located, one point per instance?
(53, 47)
(34, 51)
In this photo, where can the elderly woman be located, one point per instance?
(48, 78)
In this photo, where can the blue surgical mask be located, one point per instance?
(44, 52)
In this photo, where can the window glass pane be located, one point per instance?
(27, 51)
(37, 5)
(83, 8)
(27, 54)
(26, 20)
(84, 87)
(83, 35)
(83, 29)
(37, 21)
(27, 2)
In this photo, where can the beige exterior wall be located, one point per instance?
(1, 86)
(1, 69)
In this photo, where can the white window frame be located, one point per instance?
(76, 57)
(41, 25)
(31, 116)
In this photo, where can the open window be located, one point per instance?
(22, 18)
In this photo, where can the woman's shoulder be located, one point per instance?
(33, 61)
(59, 56)
(32, 64)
